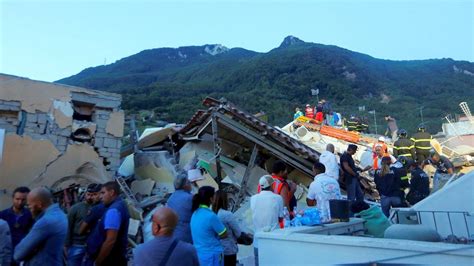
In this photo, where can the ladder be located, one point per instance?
(126, 189)
(467, 112)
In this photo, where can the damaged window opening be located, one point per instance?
(8, 114)
(105, 162)
(82, 135)
(83, 111)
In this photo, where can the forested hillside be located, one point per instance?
(173, 82)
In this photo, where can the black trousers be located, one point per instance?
(230, 260)
(422, 155)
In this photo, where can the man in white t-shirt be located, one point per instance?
(267, 210)
(321, 190)
(328, 158)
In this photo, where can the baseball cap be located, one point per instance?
(265, 181)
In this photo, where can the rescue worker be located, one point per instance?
(380, 142)
(388, 185)
(419, 184)
(403, 146)
(282, 186)
(297, 114)
(391, 127)
(401, 170)
(352, 123)
(377, 164)
(364, 125)
(422, 143)
(444, 168)
(309, 111)
(400, 167)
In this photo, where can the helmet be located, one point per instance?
(307, 105)
(402, 133)
(382, 139)
(421, 128)
(405, 161)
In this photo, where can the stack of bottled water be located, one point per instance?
(286, 217)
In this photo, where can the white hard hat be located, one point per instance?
(382, 139)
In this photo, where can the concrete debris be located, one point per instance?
(62, 113)
(143, 187)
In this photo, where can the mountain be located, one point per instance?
(173, 82)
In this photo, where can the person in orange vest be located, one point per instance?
(281, 186)
(379, 151)
(309, 111)
(380, 142)
(319, 116)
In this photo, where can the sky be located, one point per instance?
(50, 40)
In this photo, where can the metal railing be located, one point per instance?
(413, 216)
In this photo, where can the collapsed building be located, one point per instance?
(56, 135)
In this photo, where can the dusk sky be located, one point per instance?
(50, 40)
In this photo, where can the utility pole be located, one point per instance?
(375, 120)
(421, 114)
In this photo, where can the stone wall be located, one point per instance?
(85, 128)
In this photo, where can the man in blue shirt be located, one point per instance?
(93, 216)
(165, 249)
(207, 229)
(107, 245)
(5, 244)
(44, 243)
(181, 201)
(18, 217)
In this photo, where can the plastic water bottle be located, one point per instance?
(286, 217)
(297, 220)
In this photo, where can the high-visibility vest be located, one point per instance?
(376, 161)
(422, 140)
(277, 185)
(309, 112)
(319, 116)
(384, 148)
(352, 124)
(403, 147)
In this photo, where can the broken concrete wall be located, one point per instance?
(83, 128)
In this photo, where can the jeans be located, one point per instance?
(439, 177)
(75, 255)
(354, 192)
(230, 260)
(388, 202)
(255, 253)
(211, 259)
(394, 135)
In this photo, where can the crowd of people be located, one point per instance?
(94, 232)
(399, 178)
(322, 113)
(200, 229)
